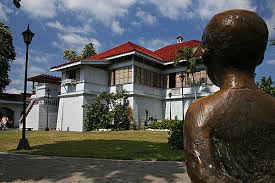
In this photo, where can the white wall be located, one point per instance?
(176, 107)
(152, 105)
(70, 114)
(52, 116)
(95, 75)
(32, 119)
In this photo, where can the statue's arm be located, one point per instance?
(198, 151)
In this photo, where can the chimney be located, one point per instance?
(179, 39)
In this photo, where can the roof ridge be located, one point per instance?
(185, 42)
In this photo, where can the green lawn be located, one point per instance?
(137, 145)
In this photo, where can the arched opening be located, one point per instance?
(4, 111)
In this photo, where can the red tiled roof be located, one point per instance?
(66, 63)
(43, 78)
(165, 54)
(124, 48)
(169, 53)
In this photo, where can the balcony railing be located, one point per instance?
(68, 81)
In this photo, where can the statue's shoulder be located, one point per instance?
(201, 110)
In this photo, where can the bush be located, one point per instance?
(175, 139)
(110, 110)
(162, 124)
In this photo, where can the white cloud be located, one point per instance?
(116, 27)
(106, 12)
(40, 8)
(271, 20)
(36, 70)
(13, 90)
(146, 17)
(209, 8)
(84, 29)
(175, 9)
(153, 44)
(272, 62)
(75, 42)
(186, 9)
(4, 11)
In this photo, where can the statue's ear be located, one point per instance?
(260, 61)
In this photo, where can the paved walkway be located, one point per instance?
(28, 168)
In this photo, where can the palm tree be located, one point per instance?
(188, 54)
(267, 84)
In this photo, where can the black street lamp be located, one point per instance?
(182, 79)
(170, 95)
(48, 103)
(23, 143)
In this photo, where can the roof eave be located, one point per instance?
(81, 62)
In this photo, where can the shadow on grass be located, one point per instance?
(37, 168)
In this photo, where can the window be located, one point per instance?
(172, 80)
(73, 74)
(121, 75)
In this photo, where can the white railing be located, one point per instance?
(68, 81)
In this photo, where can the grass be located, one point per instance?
(131, 145)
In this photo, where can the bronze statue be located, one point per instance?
(230, 135)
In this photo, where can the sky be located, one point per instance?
(70, 24)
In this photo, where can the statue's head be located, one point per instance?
(234, 39)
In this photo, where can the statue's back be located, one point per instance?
(247, 150)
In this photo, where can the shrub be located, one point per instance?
(175, 139)
(121, 120)
(162, 124)
(110, 110)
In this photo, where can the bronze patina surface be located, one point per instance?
(230, 135)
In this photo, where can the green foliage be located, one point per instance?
(70, 55)
(17, 3)
(7, 54)
(110, 110)
(162, 124)
(267, 84)
(175, 139)
(89, 50)
(188, 54)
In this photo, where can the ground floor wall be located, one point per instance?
(70, 113)
(177, 105)
(37, 116)
(146, 106)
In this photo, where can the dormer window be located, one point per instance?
(179, 39)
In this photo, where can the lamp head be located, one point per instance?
(27, 35)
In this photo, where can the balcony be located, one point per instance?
(68, 82)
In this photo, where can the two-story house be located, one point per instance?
(148, 76)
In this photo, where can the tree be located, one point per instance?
(88, 51)
(70, 55)
(17, 3)
(188, 54)
(109, 110)
(267, 84)
(7, 54)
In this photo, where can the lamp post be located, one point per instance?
(23, 143)
(182, 79)
(170, 95)
(48, 95)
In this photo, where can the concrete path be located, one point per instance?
(28, 168)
